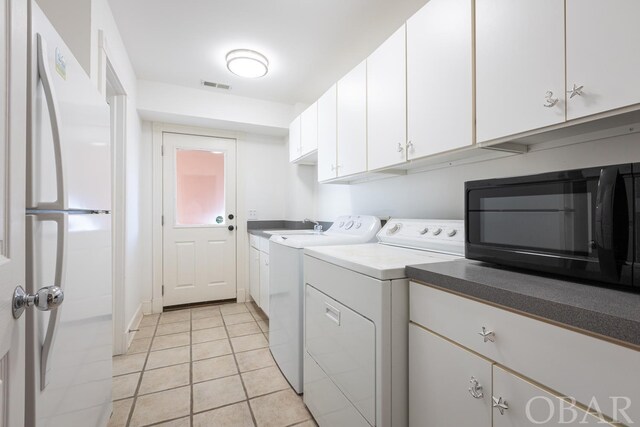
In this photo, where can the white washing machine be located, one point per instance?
(357, 321)
(286, 282)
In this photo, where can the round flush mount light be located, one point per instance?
(247, 63)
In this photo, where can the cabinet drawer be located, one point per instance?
(254, 241)
(569, 362)
(343, 343)
(529, 405)
(326, 402)
(440, 383)
(264, 244)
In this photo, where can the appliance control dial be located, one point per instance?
(424, 231)
(348, 225)
(394, 229)
(341, 224)
(437, 231)
(452, 232)
(358, 225)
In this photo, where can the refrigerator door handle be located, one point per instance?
(62, 221)
(49, 92)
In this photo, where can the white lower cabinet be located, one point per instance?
(441, 379)
(254, 274)
(259, 272)
(520, 403)
(452, 337)
(264, 282)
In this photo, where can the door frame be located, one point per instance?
(158, 129)
(110, 85)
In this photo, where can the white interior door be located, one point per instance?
(199, 202)
(13, 97)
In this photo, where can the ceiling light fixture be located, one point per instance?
(247, 63)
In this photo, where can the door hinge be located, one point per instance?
(162, 221)
(162, 150)
(162, 290)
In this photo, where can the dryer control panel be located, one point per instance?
(445, 236)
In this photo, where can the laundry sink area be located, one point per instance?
(290, 232)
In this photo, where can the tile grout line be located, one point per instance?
(135, 394)
(244, 387)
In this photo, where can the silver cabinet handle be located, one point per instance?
(400, 148)
(46, 299)
(409, 145)
(575, 91)
(487, 335)
(500, 404)
(550, 101)
(476, 389)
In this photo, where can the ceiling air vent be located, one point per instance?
(216, 85)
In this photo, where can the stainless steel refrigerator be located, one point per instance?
(68, 221)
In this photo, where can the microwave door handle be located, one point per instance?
(604, 224)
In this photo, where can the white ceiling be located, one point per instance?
(310, 43)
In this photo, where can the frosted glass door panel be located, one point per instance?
(200, 187)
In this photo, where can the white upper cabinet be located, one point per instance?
(352, 122)
(327, 133)
(603, 40)
(309, 130)
(520, 81)
(294, 140)
(440, 76)
(387, 103)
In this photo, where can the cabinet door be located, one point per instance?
(264, 282)
(309, 130)
(327, 144)
(254, 274)
(519, 59)
(295, 150)
(440, 77)
(603, 38)
(441, 375)
(387, 103)
(520, 403)
(352, 122)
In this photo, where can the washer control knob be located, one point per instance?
(437, 231)
(452, 232)
(341, 224)
(348, 225)
(394, 229)
(424, 231)
(358, 224)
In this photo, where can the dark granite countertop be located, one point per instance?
(258, 228)
(610, 313)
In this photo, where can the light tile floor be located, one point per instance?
(203, 367)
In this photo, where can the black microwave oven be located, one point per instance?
(581, 223)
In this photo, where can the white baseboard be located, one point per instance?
(241, 295)
(133, 324)
(156, 305)
(147, 307)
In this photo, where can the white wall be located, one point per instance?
(72, 20)
(212, 109)
(439, 193)
(262, 175)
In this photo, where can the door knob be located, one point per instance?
(47, 298)
(231, 216)
(231, 228)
